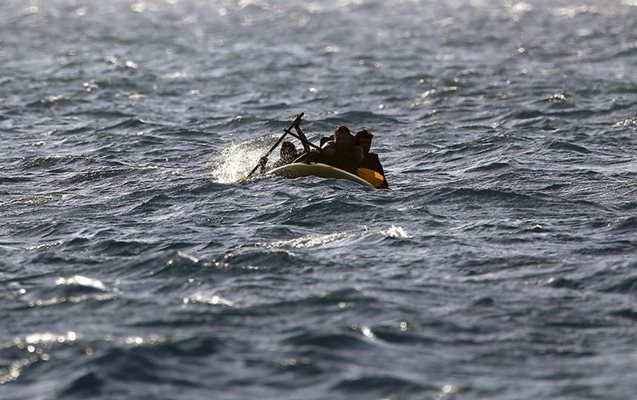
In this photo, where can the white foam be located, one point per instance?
(308, 241)
(79, 280)
(396, 232)
(238, 159)
(208, 299)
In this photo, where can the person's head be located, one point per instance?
(364, 138)
(288, 150)
(342, 136)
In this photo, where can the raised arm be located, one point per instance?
(304, 141)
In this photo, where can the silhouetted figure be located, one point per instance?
(341, 152)
(370, 160)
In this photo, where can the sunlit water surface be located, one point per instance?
(501, 264)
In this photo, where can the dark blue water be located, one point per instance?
(501, 264)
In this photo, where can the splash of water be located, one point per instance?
(396, 232)
(238, 159)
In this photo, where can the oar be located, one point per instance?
(298, 137)
(285, 132)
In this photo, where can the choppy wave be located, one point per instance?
(498, 265)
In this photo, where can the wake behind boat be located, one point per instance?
(297, 170)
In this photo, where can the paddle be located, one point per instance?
(298, 137)
(285, 132)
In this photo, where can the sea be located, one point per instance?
(500, 264)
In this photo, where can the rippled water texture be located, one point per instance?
(500, 264)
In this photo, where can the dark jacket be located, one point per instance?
(347, 158)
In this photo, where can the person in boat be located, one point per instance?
(288, 152)
(370, 160)
(341, 152)
(287, 155)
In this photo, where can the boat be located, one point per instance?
(298, 170)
